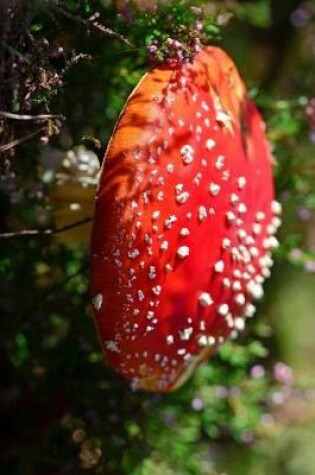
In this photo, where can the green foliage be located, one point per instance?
(64, 410)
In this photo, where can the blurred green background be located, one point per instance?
(251, 409)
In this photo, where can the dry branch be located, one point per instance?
(45, 232)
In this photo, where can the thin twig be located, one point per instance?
(14, 143)
(45, 232)
(10, 115)
(95, 25)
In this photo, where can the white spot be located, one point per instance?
(249, 241)
(205, 341)
(219, 164)
(210, 144)
(226, 282)
(254, 252)
(229, 320)
(111, 346)
(182, 197)
(205, 299)
(140, 295)
(147, 239)
(181, 351)
(226, 243)
(257, 228)
(234, 198)
(223, 118)
(276, 222)
(223, 309)
(276, 207)
(134, 254)
(255, 290)
(272, 243)
(231, 217)
(164, 246)
(205, 106)
(237, 286)
(266, 272)
(160, 196)
(168, 268)
(197, 179)
(239, 323)
(170, 167)
(134, 205)
(156, 215)
(183, 252)
(242, 234)
(226, 175)
(183, 81)
(242, 208)
(184, 232)
(170, 339)
(187, 153)
(202, 213)
(97, 301)
(240, 299)
(150, 315)
(219, 266)
(152, 273)
(271, 229)
(169, 221)
(250, 310)
(260, 216)
(185, 334)
(157, 289)
(214, 189)
(241, 182)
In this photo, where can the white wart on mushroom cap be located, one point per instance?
(184, 223)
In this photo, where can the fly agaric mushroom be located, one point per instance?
(184, 222)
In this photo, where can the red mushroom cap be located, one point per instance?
(184, 222)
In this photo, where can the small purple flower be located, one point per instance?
(278, 398)
(152, 48)
(221, 392)
(304, 214)
(283, 374)
(197, 404)
(257, 372)
(247, 437)
(199, 26)
(309, 266)
(301, 16)
(267, 419)
(296, 254)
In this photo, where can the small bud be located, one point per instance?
(44, 140)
